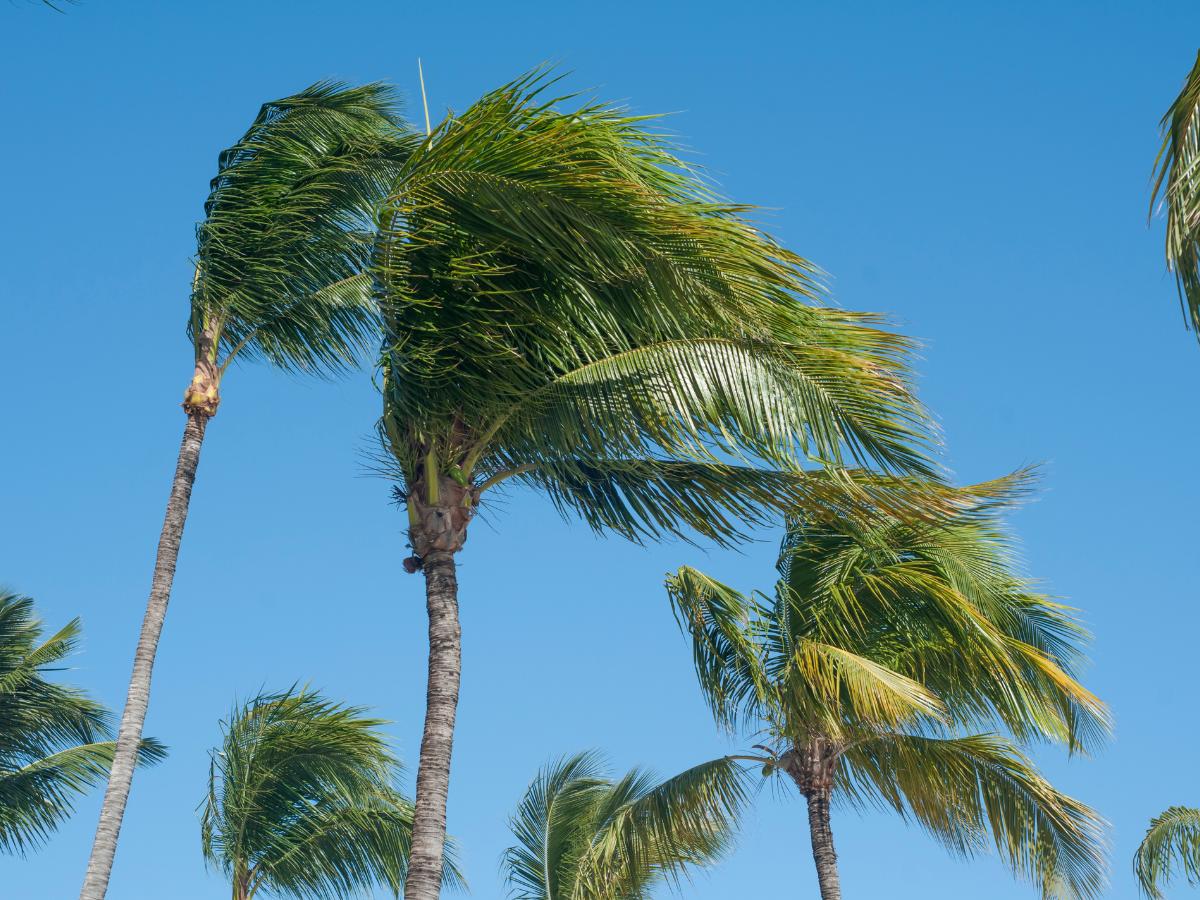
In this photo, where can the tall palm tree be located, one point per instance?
(55, 742)
(583, 836)
(302, 801)
(885, 645)
(1177, 186)
(569, 308)
(1171, 845)
(279, 276)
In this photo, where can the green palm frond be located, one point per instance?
(302, 801)
(53, 738)
(283, 248)
(582, 836)
(968, 790)
(561, 294)
(1171, 846)
(1177, 184)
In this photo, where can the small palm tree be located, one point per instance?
(1177, 185)
(583, 836)
(54, 740)
(279, 276)
(302, 801)
(885, 643)
(567, 307)
(1171, 845)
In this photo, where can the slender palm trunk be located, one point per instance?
(129, 736)
(441, 703)
(824, 855)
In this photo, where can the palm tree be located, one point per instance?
(583, 836)
(1177, 185)
(885, 644)
(569, 308)
(302, 801)
(1172, 842)
(279, 276)
(54, 740)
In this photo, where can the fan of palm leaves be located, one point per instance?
(55, 742)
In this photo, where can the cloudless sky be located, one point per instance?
(977, 170)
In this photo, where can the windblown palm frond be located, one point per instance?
(54, 740)
(582, 836)
(1171, 846)
(302, 801)
(1177, 184)
(979, 789)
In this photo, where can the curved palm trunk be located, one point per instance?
(824, 854)
(441, 703)
(133, 718)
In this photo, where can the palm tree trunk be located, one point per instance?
(824, 854)
(441, 703)
(129, 736)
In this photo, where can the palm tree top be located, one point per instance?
(583, 835)
(54, 739)
(282, 251)
(303, 800)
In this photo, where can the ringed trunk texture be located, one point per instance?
(133, 718)
(441, 704)
(824, 854)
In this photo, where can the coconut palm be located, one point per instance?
(568, 308)
(1177, 186)
(1171, 846)
(303, 801)
(279, 277)
(885, 648)
(54, 740)
(583, 836)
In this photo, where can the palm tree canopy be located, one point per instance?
(583, 836)
(1177, 185)
(54, 740)
(1171, 846)
(567, 303)
(302, 801)
(883, 641)
(877, 620)
(282, 251)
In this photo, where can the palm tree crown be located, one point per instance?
(583, 836)
(885, 642)
(54, 740)
(566, 304)
(302, 801)
(282, 251)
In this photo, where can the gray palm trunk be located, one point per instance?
(441, 703)
(824, 854)
(811, 766)
(129, 737)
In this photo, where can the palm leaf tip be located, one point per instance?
(1170, 847)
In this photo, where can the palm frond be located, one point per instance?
(966, 790)
(1177, 185)
(1171, 846)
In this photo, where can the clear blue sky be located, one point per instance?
(977, 170)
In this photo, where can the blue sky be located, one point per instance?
(979, 171)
